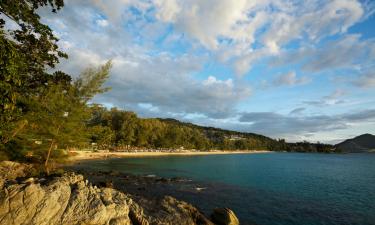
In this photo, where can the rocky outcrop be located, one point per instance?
(169, 211)
(70, 199)
(224, 216)
(62, 200)
(11, 170)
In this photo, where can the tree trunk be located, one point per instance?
(49, 151)
(48, 155)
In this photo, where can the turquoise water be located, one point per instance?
(271, 188)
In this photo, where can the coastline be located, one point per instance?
(92, 198)
(88, 155)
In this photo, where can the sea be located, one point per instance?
(268, 188)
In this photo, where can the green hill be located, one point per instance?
(124, 130)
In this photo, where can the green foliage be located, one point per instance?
(125, 130)
(59, 114)
(12, 76)
(34, 39)
(91, 81)
(25, 54)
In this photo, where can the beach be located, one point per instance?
(77, 155)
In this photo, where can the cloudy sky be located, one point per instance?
(300, 70)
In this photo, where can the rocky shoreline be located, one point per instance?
(69, 198)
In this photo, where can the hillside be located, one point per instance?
(123, 129)
(362, 143)
(120, 130)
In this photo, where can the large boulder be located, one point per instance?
(62, 200)
(224, 216)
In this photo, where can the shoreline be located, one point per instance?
(90, 155)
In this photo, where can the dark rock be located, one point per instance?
(107, 184)
(162, 180)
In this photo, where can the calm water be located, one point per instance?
(271, 188)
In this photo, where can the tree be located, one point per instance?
(26, 53)
(58, 115)
(12, 76)
(34, 39)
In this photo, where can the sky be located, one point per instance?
(299, 70)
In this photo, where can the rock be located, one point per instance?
(224, 216)
(70, 199)
(63, 200)
(13, 170)
(169, 211)
(107, 183)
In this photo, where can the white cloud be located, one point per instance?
(165, 82)
(313, 19)
(240, 25)
(102, 22)
(211, 80)
(167, 10)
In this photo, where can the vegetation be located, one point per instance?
(26, 53)
(40, 111)
(361, 143)
(116, 129)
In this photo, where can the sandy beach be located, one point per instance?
(87, 155)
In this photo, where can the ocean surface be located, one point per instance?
(269, 188)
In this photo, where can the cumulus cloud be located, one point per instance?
(142, 75)
(314, 19)
(164, 82)
(223, 24)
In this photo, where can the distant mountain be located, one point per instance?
(362, 143)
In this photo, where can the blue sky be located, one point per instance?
(300, 70)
